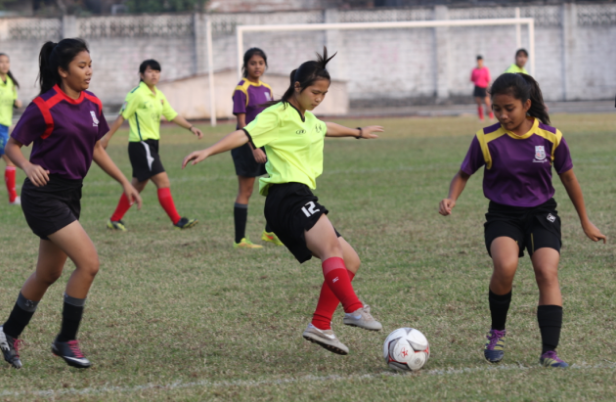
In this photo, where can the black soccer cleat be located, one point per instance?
(70, 352)
(10, 349)
(185, 223)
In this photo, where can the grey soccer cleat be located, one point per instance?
(10, 349)
(363, 319)
(325, 338)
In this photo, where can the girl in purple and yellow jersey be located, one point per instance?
(481, 78)
(294, 138)
(518, 155)
(248, 99)
(143, 109)
(65, 124)
(8, 101)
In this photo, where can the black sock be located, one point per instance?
(240, 213)
(71, 318)
(550, 321)
(20, 316)
(268, 229)
(499, 306)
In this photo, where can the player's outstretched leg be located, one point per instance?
(323, 242)
(320, 330)
(165, 199)
(504, 252)
(550, 312)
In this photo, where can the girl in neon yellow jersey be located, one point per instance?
(293, 138)
(8, 101)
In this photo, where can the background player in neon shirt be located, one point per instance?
(248, 99)
(521, 57)
(143, 108)
(64, 124)
(293, 138)
(518, 154)
(8, 101)
(480, 76)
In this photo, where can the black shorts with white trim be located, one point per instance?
(532, 228)
(290, 210)
(144, 159)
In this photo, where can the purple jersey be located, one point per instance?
(64, 131)
(248, 98)
(518, 169)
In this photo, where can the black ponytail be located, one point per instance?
(254, 51)
(307, 74)
(522, 87)
(57, 55)
(9, 73)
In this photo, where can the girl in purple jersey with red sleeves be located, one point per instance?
(519, 153)
(64, 124)
(249, 98)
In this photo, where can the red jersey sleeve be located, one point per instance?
(31, 125)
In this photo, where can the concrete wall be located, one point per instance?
(575, 51)
(190, 96)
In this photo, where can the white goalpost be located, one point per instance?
(517, 22)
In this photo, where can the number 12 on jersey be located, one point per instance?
(310, 209)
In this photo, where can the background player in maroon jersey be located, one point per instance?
(64, 124)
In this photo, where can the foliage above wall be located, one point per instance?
(159, 6)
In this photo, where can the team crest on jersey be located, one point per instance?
(540, 153)
(268, 97)
(94, 119)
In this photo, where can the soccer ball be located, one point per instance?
(406, 349)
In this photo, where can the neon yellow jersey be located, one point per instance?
(143, 109)
(515, 69)
(8, 95)
(294, 145)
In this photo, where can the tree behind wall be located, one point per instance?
(4, 3)
(159, 6)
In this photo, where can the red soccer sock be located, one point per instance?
(121, 209)
(338, 281)
(480, 112)
(9, 179)
(328, 303)
(491, 115)
(166, 201)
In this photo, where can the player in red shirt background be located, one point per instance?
(481, 78)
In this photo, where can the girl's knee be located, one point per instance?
(90, 267)
(352, 264)
(49, 278)
(546, 277)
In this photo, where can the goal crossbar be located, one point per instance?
(530, 22)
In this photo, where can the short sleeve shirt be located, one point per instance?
(481, 77)
(63, 131)
(8, 94)
(515, 69)
(294, 145)
(143, 110)
(518, 169)
(248, 98)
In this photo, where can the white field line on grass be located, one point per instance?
(94, 391)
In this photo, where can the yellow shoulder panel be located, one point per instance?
(554, 138)
(243, 88)
(484, 140)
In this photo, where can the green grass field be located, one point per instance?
(181, 316)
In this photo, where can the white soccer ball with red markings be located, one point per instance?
(406, 349)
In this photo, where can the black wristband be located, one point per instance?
(361, 133)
